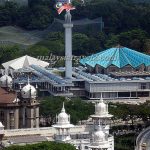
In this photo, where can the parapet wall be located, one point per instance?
(50, 131)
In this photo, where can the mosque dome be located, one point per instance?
(101, 108)
(28, 91)
(6, 81)
(63, 117)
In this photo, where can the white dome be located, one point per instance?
(28, 91)
(99, 136)
(101, 108)
(63, 118)
(5, 81)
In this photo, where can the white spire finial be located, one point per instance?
(101, 99)
(36, 86)
(63, 108)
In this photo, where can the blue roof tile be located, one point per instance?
(119, 56)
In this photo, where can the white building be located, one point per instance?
(63, 126)
(95, 137)
(98, 136)
(115, 73)
(101, 138)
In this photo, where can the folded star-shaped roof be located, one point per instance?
(24, 61)
(118, 56)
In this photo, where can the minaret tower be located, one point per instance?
(68, 44)
(63, 126)
(101, 138)
(68, 35)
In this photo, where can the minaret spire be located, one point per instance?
(63, 108)
(101, 99)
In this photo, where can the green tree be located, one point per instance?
(78, 109)
(40, 17)
(9, 52)
(37, 50)
(43, 146)
(79, 43)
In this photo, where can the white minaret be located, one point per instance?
(63, 126)
(101, 136)
(68, 44)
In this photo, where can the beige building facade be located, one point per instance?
(18, 110)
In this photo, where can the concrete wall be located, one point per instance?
(112, 68)
(42, 131)
(116, 86)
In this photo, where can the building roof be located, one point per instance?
(117, 56)
(28, 91)
(7, 97)
(24, 61)
(27, 139)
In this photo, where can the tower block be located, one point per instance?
(68, 45)
(101, 139)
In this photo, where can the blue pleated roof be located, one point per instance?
(118, 56)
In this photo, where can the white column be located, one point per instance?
(68, 45)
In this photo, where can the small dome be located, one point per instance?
(28, 91)
(63, 118)
(6, 81)
(101, 108)
(99, 136)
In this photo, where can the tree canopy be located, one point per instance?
(43, 146)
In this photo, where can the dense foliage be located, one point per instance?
(9, 52)
(84, 45)
(125, 142)
(43, 146)
(118, 15)
(81, 110)
(37, 16)
(128, 112)
(126, 23)
(78, 109)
